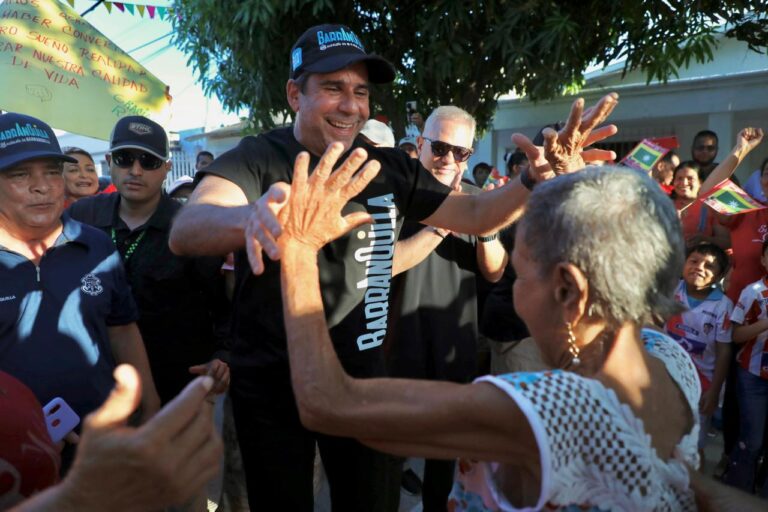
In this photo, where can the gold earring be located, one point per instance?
(572, 347)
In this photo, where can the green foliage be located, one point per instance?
(462, 52)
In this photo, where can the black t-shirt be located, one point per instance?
(355, 270)
(433, 311)
(498, 320)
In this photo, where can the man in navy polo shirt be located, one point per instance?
(66, 313)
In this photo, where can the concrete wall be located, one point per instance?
(724, 95)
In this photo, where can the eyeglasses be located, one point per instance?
(125, 159)
(440, 149)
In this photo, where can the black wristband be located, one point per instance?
(489, 238)
(526, 180)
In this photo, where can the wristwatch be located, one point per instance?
(489, 238)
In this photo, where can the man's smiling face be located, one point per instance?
(332, 107)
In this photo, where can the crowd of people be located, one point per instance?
(562, 337)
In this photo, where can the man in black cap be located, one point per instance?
(66, 313)
(235, 208)
(179, 299)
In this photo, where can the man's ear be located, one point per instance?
(571, 291)
(292, 91)
(419, 144)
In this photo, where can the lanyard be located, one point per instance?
(131, 248)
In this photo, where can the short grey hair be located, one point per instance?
(620, 229)
(449, 113)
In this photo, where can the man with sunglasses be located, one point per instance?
(433, 325)
(178, 298)
(235, 208)
(704, 152)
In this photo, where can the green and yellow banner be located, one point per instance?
(55, 66)
(644, 156)
(727, 198)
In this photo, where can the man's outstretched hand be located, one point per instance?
(312, 216)
(563, 151)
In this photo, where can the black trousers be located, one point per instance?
(278, 454)
(438, 482)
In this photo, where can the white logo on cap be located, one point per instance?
(140, 128)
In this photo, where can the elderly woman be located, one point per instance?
(597, 256)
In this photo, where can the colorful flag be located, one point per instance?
(496, 179)
(729, 199)
(644, 156)
(62, 69)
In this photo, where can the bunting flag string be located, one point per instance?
(151, 11)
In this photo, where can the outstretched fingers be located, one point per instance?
(343, 174)
(600, 134)
(571, 128)
(524, 143)
(327, 162)
(599, 112)
(598, 155)
(357, 184)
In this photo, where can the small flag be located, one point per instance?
(729, 199)
(496, 179)
(151, 11)
(141, 9)
(667, 142)
(108, 6)
(120, 6)
(644, 156)
(71, 3)
(130, 8)
(161, 11)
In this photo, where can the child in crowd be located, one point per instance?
(704, 328)
(750, 319)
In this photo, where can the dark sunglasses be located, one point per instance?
(440, 149)
(125, 159)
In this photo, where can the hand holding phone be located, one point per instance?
(59, 418)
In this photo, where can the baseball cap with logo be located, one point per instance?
(138, 132)
(329, 48)
(25, 138)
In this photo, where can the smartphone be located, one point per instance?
(59, 418)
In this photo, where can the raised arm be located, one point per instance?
(746, 140)
(434, 419)
(562, 152)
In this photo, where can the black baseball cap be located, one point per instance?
(25, 138)
(138, 132)
(329, 48)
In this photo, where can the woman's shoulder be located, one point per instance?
(677, 360)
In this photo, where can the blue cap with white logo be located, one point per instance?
(329, 48)
(25, 138)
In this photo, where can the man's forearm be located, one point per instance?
(491, 260)
(486, 212)
(209, 230)
(412, 251)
